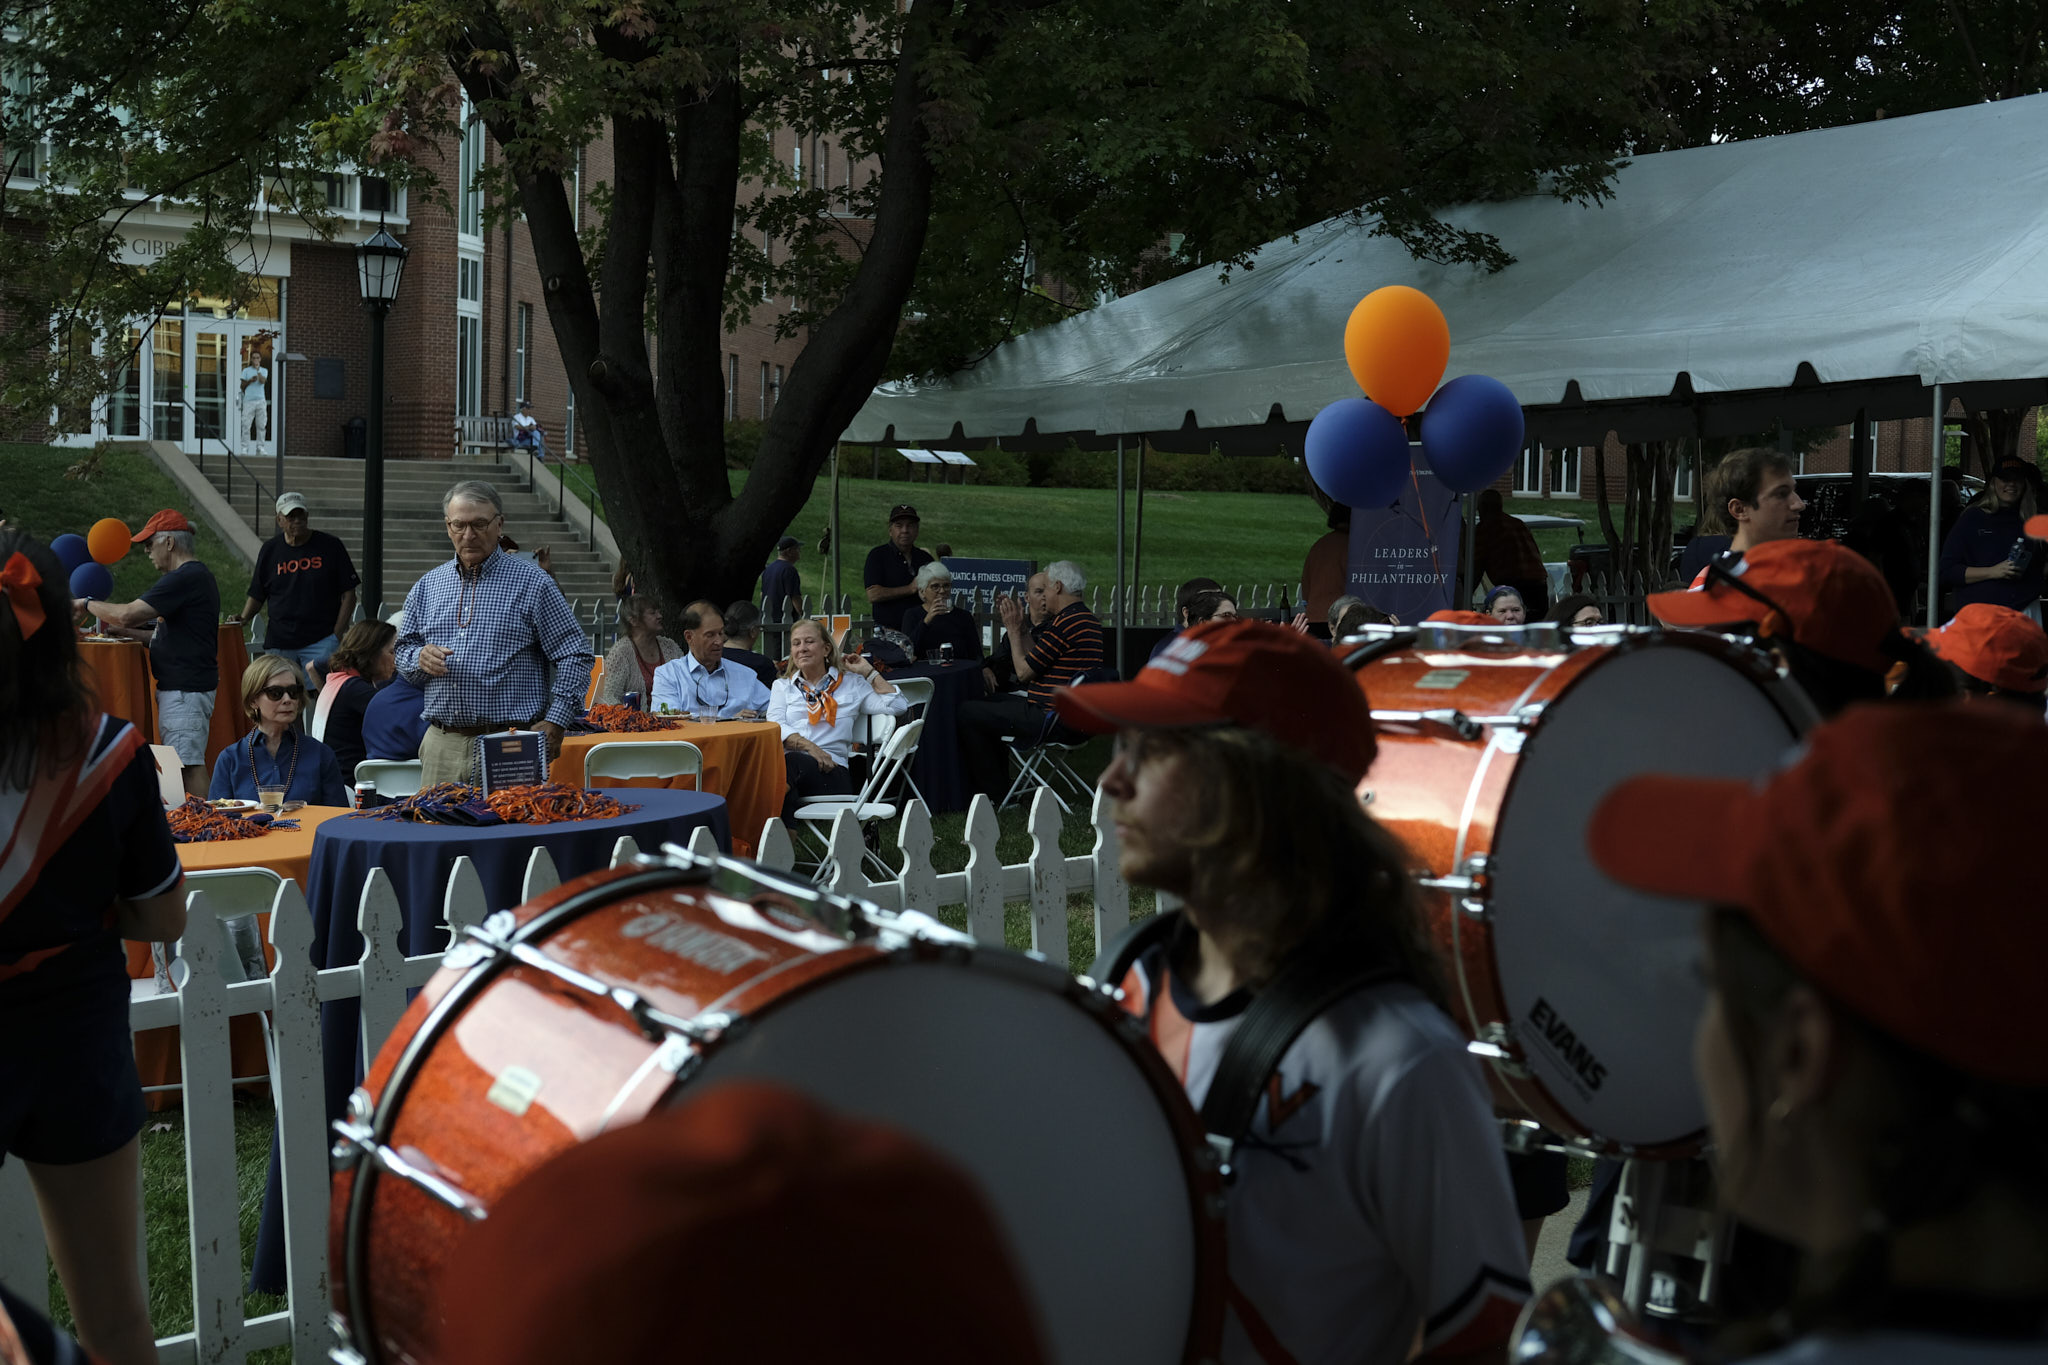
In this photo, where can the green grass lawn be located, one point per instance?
(36, 497)
(1237, 538)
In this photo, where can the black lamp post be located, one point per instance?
(381, 261)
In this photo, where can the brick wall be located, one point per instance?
(324, 321)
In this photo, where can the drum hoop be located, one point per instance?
(582, 902)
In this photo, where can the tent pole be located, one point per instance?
(832, 608)
(1138, 536)
(1120, 554)
(1936, 450)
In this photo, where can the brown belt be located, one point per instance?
(472, 731)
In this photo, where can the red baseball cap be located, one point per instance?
(1829, 599)
(1883, 860)
(2036, 527)
(1248, 673)
(1462, 618)
(166, 520)
(796, 1231)
(1995, 645)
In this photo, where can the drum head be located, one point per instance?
(1603, 983)
(1040, 1101)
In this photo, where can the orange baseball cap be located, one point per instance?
(1247, 673)
(166, 520)
(1856, 860)
(1827, 598)
(2036, 527)
(1995, 645)
(1462, 618)
(796, 1231)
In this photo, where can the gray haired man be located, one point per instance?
(184, 644)
(490, 641)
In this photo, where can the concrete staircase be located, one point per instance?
(415, 539)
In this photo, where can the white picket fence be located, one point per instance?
(205, 1000)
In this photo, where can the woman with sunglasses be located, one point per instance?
(275, 753)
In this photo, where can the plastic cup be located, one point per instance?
(270, 798)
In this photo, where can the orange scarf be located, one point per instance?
(822, 706)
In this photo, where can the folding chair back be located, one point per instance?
(918, 692)
(393, 776)
(170, 774)
(891, 762)
(234, 897)
(653, 758)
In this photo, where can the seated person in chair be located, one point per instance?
(1067, 643)
(937, 621)
(819, 706)
(275, 752)
(742, 633)
(704, 679)
(365, 661)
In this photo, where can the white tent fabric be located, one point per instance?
(1833, 270)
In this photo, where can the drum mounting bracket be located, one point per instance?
(1470, 885)
(1496, 1043)
(355, 1139)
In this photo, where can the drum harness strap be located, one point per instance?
(1313, 978)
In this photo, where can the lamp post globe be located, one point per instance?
(380, 265)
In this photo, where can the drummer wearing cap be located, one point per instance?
(1369, 1207)
(184, 645)
(1990, 554)
(891, 572)
(1823, 611)
(1995, 652)
(1872, 1066)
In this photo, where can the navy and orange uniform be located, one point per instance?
(73, 843)
(303, 587)
(1066, 645)
(1369, 1206)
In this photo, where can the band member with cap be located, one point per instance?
(803, 1236)
(1995, 652)
(1990, 555)
(1369, 1209)
(1822, 610)
(1872, 1067)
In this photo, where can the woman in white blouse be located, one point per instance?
(819, 706)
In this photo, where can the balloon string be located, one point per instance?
(1422, 509)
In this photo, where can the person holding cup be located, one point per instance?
(276, 763)
(819, 706)
(938, 624)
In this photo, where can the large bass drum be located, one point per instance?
(1495, 746)
(587, 1008)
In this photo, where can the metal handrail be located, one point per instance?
(256, 517)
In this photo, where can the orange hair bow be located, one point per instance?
(20, 580)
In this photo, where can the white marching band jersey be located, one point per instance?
(1369, 1204)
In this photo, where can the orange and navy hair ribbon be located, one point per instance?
(20, 580)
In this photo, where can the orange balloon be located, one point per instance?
(108, 540)
(1397, 344)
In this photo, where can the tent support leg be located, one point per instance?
(1937, 448)
(1120, 612)
(834, 605)
(1138, 535)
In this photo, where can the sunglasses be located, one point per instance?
(293, 692)
(1718, 572)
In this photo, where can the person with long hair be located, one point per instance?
(1875, 1086)
(366, 660)
(629, 665)
(1988, 556)
(89, 862)
(1370, 1210)
(276, 753)
(818, 707)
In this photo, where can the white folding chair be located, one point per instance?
(917, 694)
(234, 897)
(653, 758)
(394, 776)
(1041, 762)
(872, 804)
(917, 691)
(170, 774)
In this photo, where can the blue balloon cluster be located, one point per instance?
(1472, 432)
(90, 579)
(71, 551)
(1357, 453)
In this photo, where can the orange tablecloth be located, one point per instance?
(288, 853)
(119, 672)
(742, 763)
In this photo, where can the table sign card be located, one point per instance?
(511, 758)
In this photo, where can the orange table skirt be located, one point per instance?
(742, 763)
(120, 676)
(288, 853)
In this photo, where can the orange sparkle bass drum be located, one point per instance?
(623, 991)
(1495, 745)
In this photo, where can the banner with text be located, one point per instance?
(1404, 558)
(983, 578)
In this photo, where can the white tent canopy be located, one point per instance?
(1804, 277)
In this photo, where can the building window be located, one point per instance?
(768, 255)
(576, 192)
(167, 382)
(821, 167)
(469, 280)
(522, 356)
(469, 208)
(764, 390)
(569, 423)
(1529, 471)
(376, 193)
(796, 161)
(1564, 472)
(775, 390)
(337, 191)
(732, 387)
(124, 405)
(469, 366)
(1681, 479)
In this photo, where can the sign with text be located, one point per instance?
(1404, 558)
(511, 758)
(982, 579)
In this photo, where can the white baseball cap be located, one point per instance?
(289, 502)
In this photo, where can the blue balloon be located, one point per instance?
(92, 580)
(1358, 453)
(1472, 432)
(71, 551)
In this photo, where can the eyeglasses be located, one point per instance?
(475, 528)
(293, 692)
(1718, 572)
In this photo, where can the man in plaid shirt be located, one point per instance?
(1504, 552)
(490, 640)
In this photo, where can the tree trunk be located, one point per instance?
(1995, 435)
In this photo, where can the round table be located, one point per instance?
(742, 763)
(937, 770)
(119, 672)
(417, 858)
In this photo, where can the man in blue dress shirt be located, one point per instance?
(490, 641)
(704, 679)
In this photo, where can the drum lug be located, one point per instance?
(1470, 884)
(355, 1141)
(343, 1351)
(1496, 1043)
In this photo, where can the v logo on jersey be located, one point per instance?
(1280, 1108)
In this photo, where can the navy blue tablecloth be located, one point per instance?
(937, 769)
(418, 858)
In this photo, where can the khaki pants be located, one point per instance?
(447, 758)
